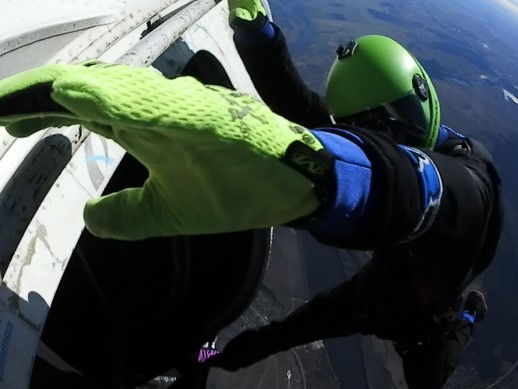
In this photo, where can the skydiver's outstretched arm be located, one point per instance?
(222, 161)
(262, 47)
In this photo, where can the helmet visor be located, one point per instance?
(404, 120)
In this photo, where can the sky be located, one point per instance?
(509, 4)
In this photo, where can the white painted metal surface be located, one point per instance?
(33, 33)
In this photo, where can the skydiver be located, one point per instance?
(435, 234)
(222, 161)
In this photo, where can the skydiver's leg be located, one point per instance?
(422, 365)
(328, 315)
(454, 347)
(429, 366)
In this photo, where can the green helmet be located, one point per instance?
(376, 83)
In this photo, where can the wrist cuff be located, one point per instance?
(255, 36)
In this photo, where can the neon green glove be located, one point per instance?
(246, 12)
(213, 154)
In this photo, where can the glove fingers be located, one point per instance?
(27, 96)
(245, 10)
(131, 214)
(33, 80)
(104, 130)
(26, 127)
(145, 109)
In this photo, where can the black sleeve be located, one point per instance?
(487, 184)
(399, 211)
(279, 84)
